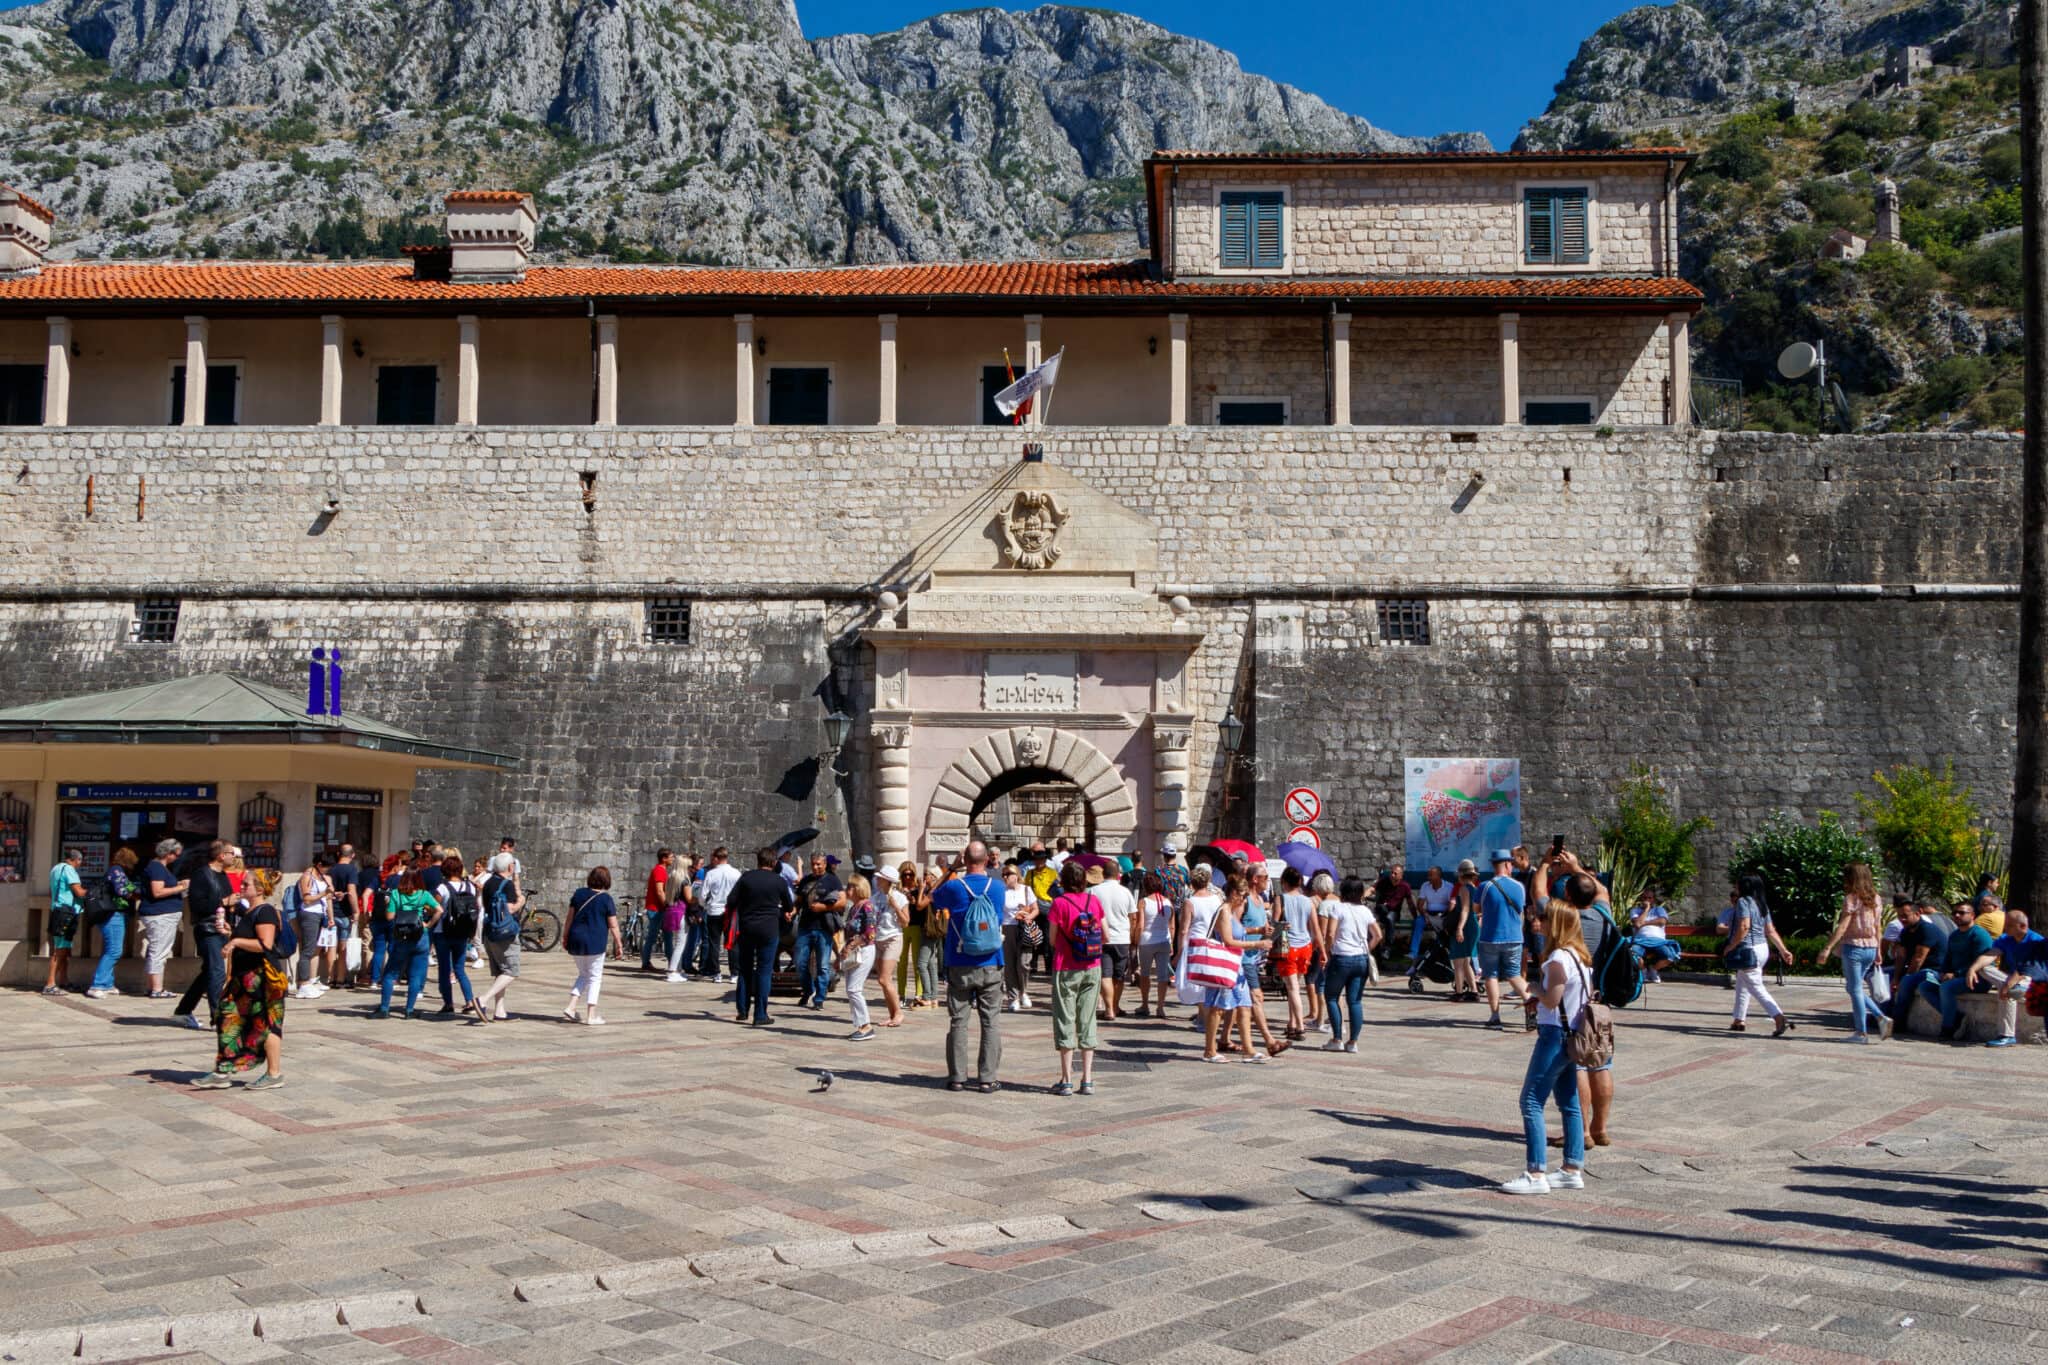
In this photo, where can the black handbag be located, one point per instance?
(63, 922)
(1741, 958)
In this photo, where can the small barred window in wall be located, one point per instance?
(668, 621)
(1554, 226)
(1404, 621)
(1252, 235)
(156, 621)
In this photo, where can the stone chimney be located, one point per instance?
(490, 235)
(24, 234)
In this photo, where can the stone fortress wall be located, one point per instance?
(1765, 618)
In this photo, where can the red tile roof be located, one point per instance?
(486, 197)
(40, 210)
(233, 283)
(1454, 157)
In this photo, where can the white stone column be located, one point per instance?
(1171, 740)
(57, 375)
(892, 794)
(330, 370)
(466, 372)
(743, 360)
(885, 407)
(1678, 331)
(1510, 369)
(607, 370)
(1177, 364)
(1034, 355)
(195, 372)
(1340, 370)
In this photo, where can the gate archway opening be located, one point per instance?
(1032, 803)
(1006, 763)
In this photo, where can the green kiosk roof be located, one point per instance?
(217, 708)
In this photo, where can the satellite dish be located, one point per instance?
(1797, 360)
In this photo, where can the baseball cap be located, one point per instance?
(1501, 855)
(831, 860)
(1169, 848)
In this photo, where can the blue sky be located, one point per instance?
(1438, 67)
(1411, 66)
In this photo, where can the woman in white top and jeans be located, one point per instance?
(892, 912)
(1349, 933)
(315, 914)
(1566, 987)
(1155, 944)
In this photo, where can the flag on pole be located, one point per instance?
(1035, 381)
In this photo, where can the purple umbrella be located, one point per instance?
(1306, 859)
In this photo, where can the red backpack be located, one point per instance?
(1084, 931)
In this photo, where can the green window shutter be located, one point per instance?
(1236, 253)
(1573, 246)
(1540, 244)
(1268, 249)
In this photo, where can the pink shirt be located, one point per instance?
(1065, 909)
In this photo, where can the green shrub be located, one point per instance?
(1949, 384)
(2000, 159)
(1646, 834)
(1737, 154)
(1868, 120)
(1844, 152)
(1992, 272)
(1899, 281)
(1925, 826)
(1802, 868)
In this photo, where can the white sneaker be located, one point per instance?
(677, 976)
(724, 979)
(1023, 1000)
(1529, 1182)
(1568, 1180)
(303, 993)
(1351, 1047)
(319, 989)
(1333, 1045)
(97, 994)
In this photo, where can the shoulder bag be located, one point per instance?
(1590, 1042)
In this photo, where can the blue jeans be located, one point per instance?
(453, 960)
(1345, 980)
(1551, 1073)
(693, 945)
(1864, 1015)
(113, 938)
(753, 970)
(408, 960)
(1946, 996)
(1415, 942)
(380, 947)
(654, 932)
(712, 935)
(1908, 987)
(813, 965)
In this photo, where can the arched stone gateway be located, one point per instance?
(1109, 797)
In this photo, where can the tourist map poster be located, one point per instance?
(1461, 808)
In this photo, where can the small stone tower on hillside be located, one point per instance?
(1887, 213)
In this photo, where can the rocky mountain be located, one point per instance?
(1801, 112)
(703, 130)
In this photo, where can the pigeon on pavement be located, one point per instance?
(824, 1082)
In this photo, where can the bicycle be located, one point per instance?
(540, 931)
(632, 924)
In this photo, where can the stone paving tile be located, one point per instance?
(454, 1162)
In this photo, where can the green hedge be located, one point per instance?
(1805, 947)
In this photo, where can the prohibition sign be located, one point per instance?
(1305, 834)
(1303, 806)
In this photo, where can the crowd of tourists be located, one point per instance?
(970, 935)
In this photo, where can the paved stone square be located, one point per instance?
(670, 1187)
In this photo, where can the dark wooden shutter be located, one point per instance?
(1573, 246)
(994, 379)
(1236, 252)
(406, 394)
(1268, 249)
(1541, 245)
(221, 383)
(799, 396)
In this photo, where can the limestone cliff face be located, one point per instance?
(683, 129)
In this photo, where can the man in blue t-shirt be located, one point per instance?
(2023, 956)
(1501, 902)
(974, 978)
(1967, 960)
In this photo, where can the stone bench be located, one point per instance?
(1979, 1020)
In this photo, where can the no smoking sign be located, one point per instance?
(1303, 806)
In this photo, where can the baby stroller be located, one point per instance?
(1434, 964)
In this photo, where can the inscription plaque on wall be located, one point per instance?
(1030, 682)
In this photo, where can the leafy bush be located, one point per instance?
(1899, 281)
(1802, 868)
(1738, 153)
(1950, 384)
(2000, 158)
(1993, 271)
(1870, 120)
(1844, 152)
(1645, 835)
(1925, 826)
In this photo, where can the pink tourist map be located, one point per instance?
(1461, 808)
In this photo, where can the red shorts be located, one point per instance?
(1296, 961)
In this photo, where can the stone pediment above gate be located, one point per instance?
(1039, 546)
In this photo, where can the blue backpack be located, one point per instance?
(287, 940)
(291, 905)
(500, 924)
(981, 923)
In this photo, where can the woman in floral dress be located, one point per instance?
(252, 1005)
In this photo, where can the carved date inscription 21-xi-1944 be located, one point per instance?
(1030, 682)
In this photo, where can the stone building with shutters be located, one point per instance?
(1371, 455)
